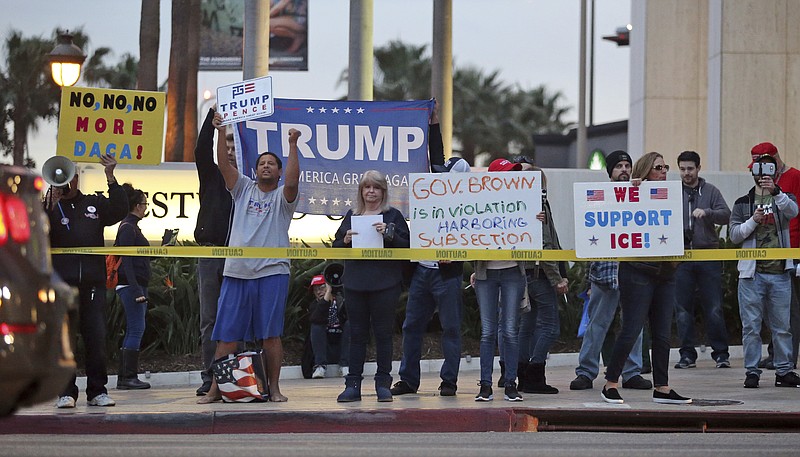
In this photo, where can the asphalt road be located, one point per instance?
(405, 444)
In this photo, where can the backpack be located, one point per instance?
(112, 270)
(113, 263)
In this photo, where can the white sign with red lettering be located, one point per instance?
(617, 219)
(245, 100)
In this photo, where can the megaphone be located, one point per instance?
(58, 171)
(333, 274)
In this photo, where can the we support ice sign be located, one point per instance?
(339, 141)
(126, 124)
(475, 210)
(621, 220)
(245, 100)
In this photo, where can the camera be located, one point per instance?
(763, 169)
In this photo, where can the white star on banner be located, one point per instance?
(348, 202)
(334, 110)
(347, 110)
(309, 110)
(322, 110)
(312, 200)
(360, 111)
(323, 201)
(335, 202)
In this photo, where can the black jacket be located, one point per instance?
(84, 218)
(216, 203)
(373, 275)
(318, 310)
(134, 270)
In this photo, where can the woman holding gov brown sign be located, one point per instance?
(647, 289)
(371, 287)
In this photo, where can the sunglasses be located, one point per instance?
(661, 167)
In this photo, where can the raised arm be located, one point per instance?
(291, 176)
(229, 172)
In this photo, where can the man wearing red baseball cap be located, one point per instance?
(788, 179)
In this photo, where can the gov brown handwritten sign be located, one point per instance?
(475, 210)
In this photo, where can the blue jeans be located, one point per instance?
(706, 279)
(429, 290)
(603, 305)
(371, 310)
(134, 317)
(330, 346)
(209, 281)
(766, 295)
(499, 296)
(539, 328)
(642, 297)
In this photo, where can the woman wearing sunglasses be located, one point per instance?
(647, 290)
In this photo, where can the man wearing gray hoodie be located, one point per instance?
(703, 209)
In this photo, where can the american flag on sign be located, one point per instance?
(237, 380)
(658, 193)
(595, 196)
(243, 89)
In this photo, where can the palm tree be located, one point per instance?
(480, 114)
(29, 92)
(182, 82)
(120, 76)
(149, 30)
(403, 72)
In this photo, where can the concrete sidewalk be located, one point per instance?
(721, 405)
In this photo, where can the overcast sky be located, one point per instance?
(531, 42)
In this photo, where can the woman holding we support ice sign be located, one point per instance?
(647, 290)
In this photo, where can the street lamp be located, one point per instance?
(65, 61)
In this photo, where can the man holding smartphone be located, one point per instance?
(760, 220)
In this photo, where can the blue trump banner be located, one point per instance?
(339, 141)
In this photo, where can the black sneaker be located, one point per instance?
(611, 395)
(766, 363)
(751, 381)
(402, 388)
(581, 382)
(790, 379)
(685, 363)
(511, 393)
(672, 398)
(486, 392)
(447, 389)
(637, 382)
(203, 390)
(723, 363)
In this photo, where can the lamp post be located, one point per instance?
(65, 61)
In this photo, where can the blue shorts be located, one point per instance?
(251, 309)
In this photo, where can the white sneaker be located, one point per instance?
(319, 372)
(102, 400)
(65, 402)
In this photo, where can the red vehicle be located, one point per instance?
(36, 359)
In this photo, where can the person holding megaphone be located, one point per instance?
(77, 220)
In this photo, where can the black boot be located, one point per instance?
(383, 384)
(127, 378)
(502, 381)
(352, 389)
(536, 380)
(522, 379)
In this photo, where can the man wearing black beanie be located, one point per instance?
(603, 303)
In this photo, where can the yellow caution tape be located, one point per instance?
(416, 254)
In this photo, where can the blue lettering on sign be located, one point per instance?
(627, 218)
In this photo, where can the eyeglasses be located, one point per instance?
(144, 203)
(661, 167)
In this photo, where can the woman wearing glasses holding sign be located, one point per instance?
(647, 290)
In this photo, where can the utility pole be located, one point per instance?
(582, 153)
(359, 73)
(255, 55)
(442, 71)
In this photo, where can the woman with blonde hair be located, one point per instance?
(647, 291)
(372, 287)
